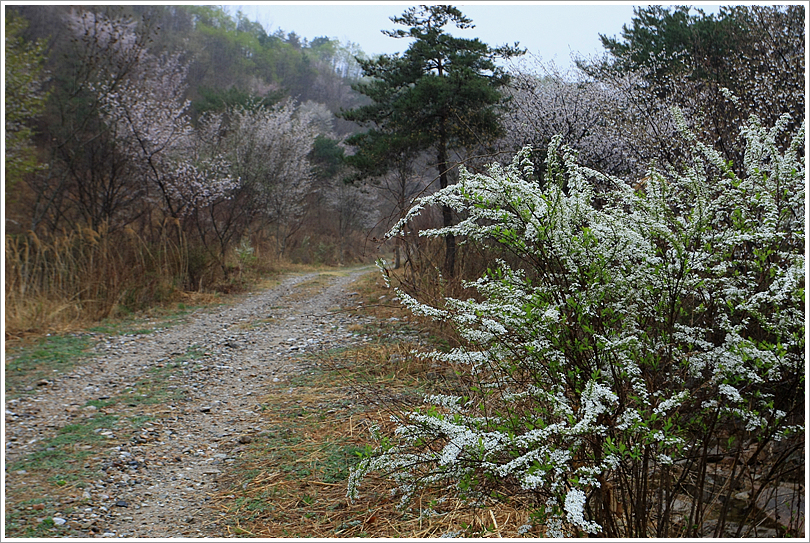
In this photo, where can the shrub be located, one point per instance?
(638, 365)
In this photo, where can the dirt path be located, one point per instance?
(189, 395)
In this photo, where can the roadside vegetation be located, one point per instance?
(61, 467)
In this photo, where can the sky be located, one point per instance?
(551, 30)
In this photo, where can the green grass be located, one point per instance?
(21, 522)
(340, 457)
(140, 324)
(101, 404)
(194, 352)
(139, 421)
(50, 355)
(59, 453)
(54, 354)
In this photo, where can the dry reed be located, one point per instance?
(85, 275)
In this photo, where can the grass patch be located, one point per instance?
(101, 404)
(20, 522)
(40, 358)
(39, 485)
(72, 443)
(25, 366)
(193, 352)
(155, 318)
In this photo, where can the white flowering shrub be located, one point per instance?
(634, 350)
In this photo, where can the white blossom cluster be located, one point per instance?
(626, 314)
(113, 39)
(268, 149)
(546, 101)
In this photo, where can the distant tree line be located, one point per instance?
(191, 125)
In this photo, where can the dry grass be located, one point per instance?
(292, 481)
(75, 278)
(71, 280)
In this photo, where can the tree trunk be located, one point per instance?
(447, 215)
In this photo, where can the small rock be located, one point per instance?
(42, 383)
(38, 506)
(121, 503)
(244, 439)
(206, 409)
(59, 521)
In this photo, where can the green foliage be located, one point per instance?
(327, 157)
(218, 100)
(441, 93)
(668, 40)
(24, 99)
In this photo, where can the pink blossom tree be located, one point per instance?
(149, 117)
(268, 150)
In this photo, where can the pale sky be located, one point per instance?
(551, 30)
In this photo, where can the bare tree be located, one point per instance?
(88, 180)
(357, 208)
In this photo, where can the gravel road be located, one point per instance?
(213, 372)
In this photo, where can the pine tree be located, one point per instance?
(441, 94)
